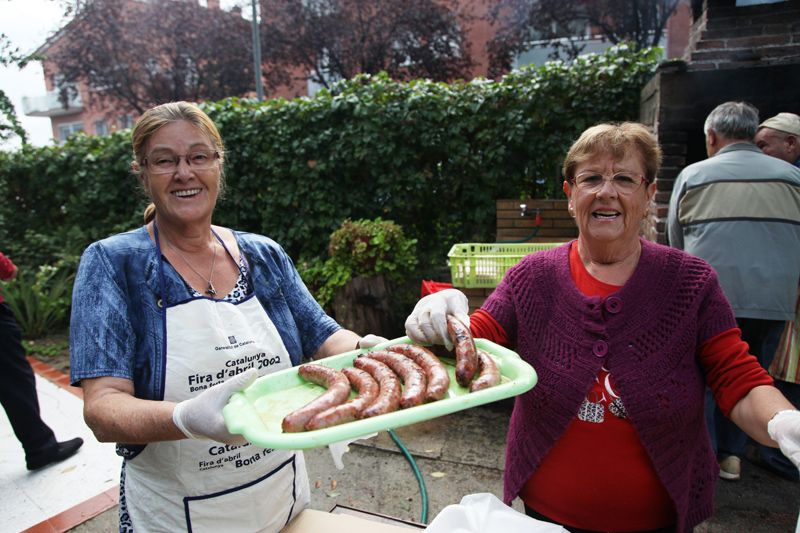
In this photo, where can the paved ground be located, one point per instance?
(463, 453)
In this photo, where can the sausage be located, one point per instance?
(338, 390)
(435, 371)
(489, 374)
(367, 389)
(388, 399)
(466, 353)
(412, 375)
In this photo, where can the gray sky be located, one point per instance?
(28, 23)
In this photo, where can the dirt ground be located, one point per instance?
(53, 350)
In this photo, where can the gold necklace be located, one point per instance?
(210, 290)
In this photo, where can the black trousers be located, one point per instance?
(18, 388)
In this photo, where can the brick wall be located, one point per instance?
(555, 223)
(728, 37)
(749, 53)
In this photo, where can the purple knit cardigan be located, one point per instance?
(647, 335)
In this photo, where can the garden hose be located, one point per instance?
(522, 240)
(537, 221)
(422, 489)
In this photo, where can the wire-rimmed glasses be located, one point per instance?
(167, 162)
(625, 182)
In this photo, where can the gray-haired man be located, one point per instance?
(740, 211)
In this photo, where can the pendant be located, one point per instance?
(210, 290)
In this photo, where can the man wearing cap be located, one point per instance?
(779, 137)
(738, 210)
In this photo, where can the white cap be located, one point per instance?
(785, 122)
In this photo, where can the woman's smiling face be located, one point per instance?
(187, 194)
(606, 215)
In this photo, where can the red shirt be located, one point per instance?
(598, 475)
(7, 269)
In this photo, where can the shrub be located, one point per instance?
(360, 248)
(41, 299)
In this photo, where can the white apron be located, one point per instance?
(201, 485)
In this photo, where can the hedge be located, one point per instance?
(432, 157)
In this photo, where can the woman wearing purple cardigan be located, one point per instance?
(625, 336)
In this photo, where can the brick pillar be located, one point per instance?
(749, 53)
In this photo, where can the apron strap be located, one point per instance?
(161, 282)
(241, 272)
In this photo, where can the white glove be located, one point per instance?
(427, 323)
(370, 341)
(201, 417)
(784, 428)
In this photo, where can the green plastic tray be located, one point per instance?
(257, 412)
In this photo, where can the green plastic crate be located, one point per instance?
(482, 265)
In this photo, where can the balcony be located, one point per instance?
(50, 106)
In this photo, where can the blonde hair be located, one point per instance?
(161, 115)
(619, 141)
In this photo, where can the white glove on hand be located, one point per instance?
(427, 323)
(201, 417)
(784, 428)
(370, 341)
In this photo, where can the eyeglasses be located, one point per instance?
(167, 163)
(624, 182)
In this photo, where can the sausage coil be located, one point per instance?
(351, 410)
(466, 352)
(489, 373)
(388, 399)
(435, 371)
(338, 389)
(412, 375)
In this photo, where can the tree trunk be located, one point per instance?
(364, 306)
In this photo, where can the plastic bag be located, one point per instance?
(338, 449)
(485, 513)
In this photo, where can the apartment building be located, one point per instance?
(82, 113)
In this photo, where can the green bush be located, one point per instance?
(41, 299)
(56, 200)
(372, 247)
(432, 157)
(360, 248)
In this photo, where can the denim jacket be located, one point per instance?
(117, 327)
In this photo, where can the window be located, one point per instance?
(125, 122)
(314, 83)
(65, 130)
(191, 75)
(100, 128)
(152, 67)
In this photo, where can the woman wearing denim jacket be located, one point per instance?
(172, 318)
